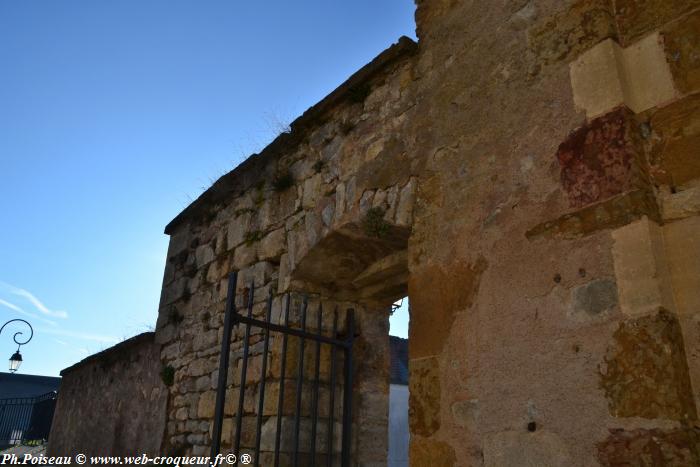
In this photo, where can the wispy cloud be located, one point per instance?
(11, 306)
(31, 298)
(19, 310)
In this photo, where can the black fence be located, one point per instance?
(25, 419)
(338, 345)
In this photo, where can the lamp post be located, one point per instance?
(16, 358)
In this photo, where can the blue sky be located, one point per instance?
(115, 115)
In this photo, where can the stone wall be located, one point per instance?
(325, 210)
(112, 403)
(529, 173)
(561, 148)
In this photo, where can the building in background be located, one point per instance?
(27, 404)
(19, 385)
(398, 403)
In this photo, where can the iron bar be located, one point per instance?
(263, 371)
(291, 331)
(223, 365)
(280, 400)
(314, 400)
(244, 369)
(347, 390)
(331, 403)
(300, 385)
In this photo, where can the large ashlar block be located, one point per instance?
(641, 271)
(608, 76)
(681, 39)
(682, 240)
(521, 448)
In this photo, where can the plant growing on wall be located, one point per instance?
(253, 237)
(167, 374)
(374, 223)
(175, 317)
(283, 181)
(358, 94)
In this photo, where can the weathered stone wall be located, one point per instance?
(326, 209)
(112, 403)
(560, 188)
(530, 173)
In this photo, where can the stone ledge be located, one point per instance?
(114, 353)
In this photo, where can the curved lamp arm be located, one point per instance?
(14, 338)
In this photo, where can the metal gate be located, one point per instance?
(26, 418)
(233, 318)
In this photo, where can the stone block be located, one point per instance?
(237, 229)
(596, 79)
(637, 18)
(645, 373)
(607, 76)
(406, 201)
(437, 293)
(204, 254)
(525, 449)
(567, 34)
(682, 241)
(244, 255)
(424, 396)
(674, 142)
(615, 212)
(673, 448)
(601, 159)
(681, 39)
(682, 204)
(466, 413)
(431, 453)
(640, 268)
(206, 405)
(272, 245)
(595, 298)
(312, 191)
(646, 75)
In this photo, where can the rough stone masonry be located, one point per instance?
(528, 173)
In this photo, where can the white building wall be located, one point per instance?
(398, 426)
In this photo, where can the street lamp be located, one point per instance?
(16, 358)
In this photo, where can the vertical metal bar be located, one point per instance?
(223, 365)
(300, 383)
(331, 402)
(244, 370)
(261, 400)
(347, 394)
(314, 400)
(280, 400)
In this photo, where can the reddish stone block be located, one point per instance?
(600, 159)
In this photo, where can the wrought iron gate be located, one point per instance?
(26, 418)
(233, 318)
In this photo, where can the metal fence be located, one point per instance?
(26, 418)
(338, 344)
